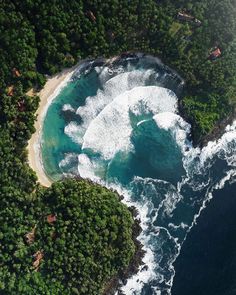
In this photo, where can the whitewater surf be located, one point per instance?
(118, 124)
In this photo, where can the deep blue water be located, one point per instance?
(118, 124)
(207, 262)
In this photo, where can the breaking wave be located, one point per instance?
(130, 137)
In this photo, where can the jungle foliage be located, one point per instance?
(40, 38)
(86, 242)
(90, 240)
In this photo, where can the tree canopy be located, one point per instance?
(90, 240)
(80, 234)
(39, 38)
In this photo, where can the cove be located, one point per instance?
(117, 123)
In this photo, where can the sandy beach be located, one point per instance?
(47, 94)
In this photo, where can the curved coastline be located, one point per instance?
(47, 94)
(53, 86)
(50, 90)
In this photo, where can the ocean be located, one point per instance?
(118, 124)
(207, 261)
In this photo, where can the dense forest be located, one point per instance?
(41, 37)
(38, 38)
(69, 239)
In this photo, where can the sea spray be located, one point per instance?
(130, 137)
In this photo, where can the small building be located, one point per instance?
(30, 236)
(10, 90)
(38, 256)
(91, 15)
(21, 105)
(183, 16)
(216, 53)
(16, 73)
(51, 218)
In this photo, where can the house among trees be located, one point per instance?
(38, 256)
(216, 53)
(91, 16)
(10, 90)
(183, 16)
(30, 236)
(21, 105)
(51, 218)
(16, 73)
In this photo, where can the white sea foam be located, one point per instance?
(224, 148)
(231, 175)
(73, 130)
(111, 130)
(111, 89)
(176, 125)
(181, 225)
(135, 284)
(170, 202)
(106, 129)
(37, 145)
(68, 107)
(85, 167)
(67, 160)
(198, 161)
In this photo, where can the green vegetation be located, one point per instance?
(87, 242)
(39, 38)
(91, 239)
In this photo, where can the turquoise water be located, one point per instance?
(55, 141)
(118, 124)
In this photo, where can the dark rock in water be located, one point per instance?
(69, 116)
(134, 211)
(145, 268)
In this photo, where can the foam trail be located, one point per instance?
(111, 130)
(167, 210)
(111, 89)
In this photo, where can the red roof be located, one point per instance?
(216, 52)
(51, 218)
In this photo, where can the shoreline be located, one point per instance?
(54, 85)
(50, 90)
(115, 284)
